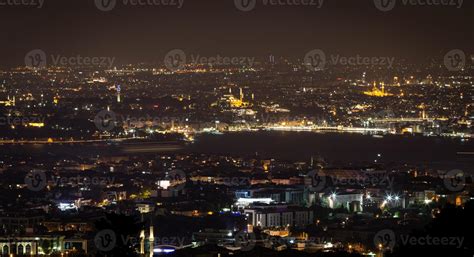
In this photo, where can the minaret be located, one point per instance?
(152, 240)
(241, 94)
(142, 241)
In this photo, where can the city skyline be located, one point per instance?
(178, 128)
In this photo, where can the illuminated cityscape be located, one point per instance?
(236, 128)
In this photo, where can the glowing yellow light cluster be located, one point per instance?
(376, 92)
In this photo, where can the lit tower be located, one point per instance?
(423, 111)
(119, 99)
(241, 94)
(151, 239)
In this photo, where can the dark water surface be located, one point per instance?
(333, 147)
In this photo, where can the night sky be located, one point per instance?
(210, 27)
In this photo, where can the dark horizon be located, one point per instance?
(134, 34)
